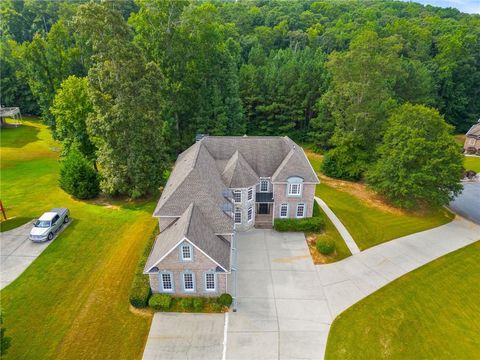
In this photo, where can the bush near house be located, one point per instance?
(168, 303)
(140, 291)
(312, 224)
(325, 246)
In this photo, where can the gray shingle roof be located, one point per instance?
(192, 225)
(202, 173)
(474, 131)
(238, 173)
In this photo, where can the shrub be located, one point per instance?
(160, 302)
(313, 224)
(325, 247)
(185, 304)
(78, 177)
(198, 304)
(225, 300)
(217, 307)
(140, 290)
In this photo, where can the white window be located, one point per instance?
(210, 283)
(300, 210)
(167, 282)
(238, 216)
(188, 282)
(186, 252)
(237, 196)
(284, 210)
(263, 185)
(250, 193)
(294, 189)
(250, 214)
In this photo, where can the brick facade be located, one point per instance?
(281, 197)
(199, 265)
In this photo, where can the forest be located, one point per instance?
(126, 85)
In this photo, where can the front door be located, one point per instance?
(263, 209)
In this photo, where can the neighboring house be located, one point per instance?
(218, 186)
(472, 141)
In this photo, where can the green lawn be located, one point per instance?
(72, 302)
(430, 313)
(472, 163)
(371, 225)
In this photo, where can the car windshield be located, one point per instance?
(42, 224)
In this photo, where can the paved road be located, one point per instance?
(467, 204)
(286, 304)
(351, 244)
(17, 252)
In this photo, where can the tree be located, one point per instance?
(419, 161)
(126, 92)
(71, 108)
(78, 177)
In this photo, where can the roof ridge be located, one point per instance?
(283, 163)
(189, 218)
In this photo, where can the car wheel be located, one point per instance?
(50, 236)
(66, 220)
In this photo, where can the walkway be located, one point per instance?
(340, 227)
(18, 252)
(286, 305)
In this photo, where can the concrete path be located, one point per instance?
(340, 227)
(17, 252)
(467, 204)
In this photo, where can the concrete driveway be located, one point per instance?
(176, 336)
(467, 204)
(282, 308)
(17, 252)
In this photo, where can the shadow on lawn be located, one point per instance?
(17, 137)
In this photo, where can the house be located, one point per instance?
(472, 141)
(219, 186)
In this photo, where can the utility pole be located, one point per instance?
(3, 210)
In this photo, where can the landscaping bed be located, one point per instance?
(168, 303)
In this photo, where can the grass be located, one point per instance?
(367, 217)
(472, 163)
(430, 313)
(72, 302)
(13, 223)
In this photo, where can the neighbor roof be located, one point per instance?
(474, 130)
(193, 226)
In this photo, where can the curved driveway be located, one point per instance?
(467, 204)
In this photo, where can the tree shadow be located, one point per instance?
(13, 223)
(17, 137)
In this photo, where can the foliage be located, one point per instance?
(419, 161)
(160, 301)
(225, 300)
(71, 107)
(5, 341)
(311, 224)
(140, 291)
(316, 210)
(198, 304)
(78, 177)
(325, 246)
(126, 124)
(185, 304)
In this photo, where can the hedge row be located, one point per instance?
(140, 291)
(312, 224)
(166, 302)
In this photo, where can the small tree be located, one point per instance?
(419, 160)
(78, 177)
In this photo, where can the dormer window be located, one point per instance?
(186, 252)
